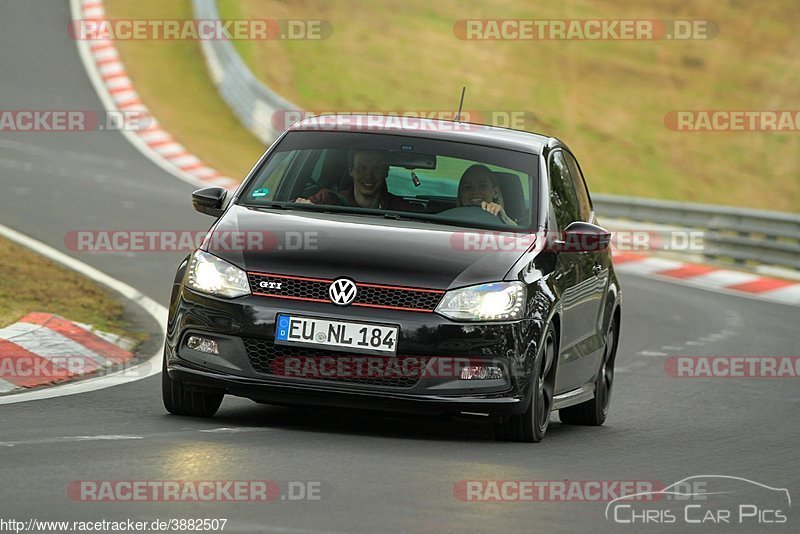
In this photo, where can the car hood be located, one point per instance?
(366, 249)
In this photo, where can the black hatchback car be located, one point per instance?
(410, 266)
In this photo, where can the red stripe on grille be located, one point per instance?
(358, 284)
(291, 277)
(353, 304)
(401, 288)
(290, 298)
(415, 299)
(390, 307)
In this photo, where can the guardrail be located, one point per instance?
(741, 235)
(252, 101)
(738, 234)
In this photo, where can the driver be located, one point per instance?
(369, 170)
(478, 187)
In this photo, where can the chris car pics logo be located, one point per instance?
(704, 500)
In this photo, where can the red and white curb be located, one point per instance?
(149, 364)
(709, 277)
(116, 90)
(42, 348)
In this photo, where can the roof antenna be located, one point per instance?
(461, 103)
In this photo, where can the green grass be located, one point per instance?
(607, 100)
(32, 283)
(172, 79)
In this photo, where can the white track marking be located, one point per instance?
(150, 367)
(51, 345)
(647, 266)
(87, 58)
(724, 278)
(780, 296)
(67, 439)
(789, 295)
(6, 386)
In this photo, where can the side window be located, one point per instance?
(270, 177)
(580, 187)
(562, 191)
(317, 171)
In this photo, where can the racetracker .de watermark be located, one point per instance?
(364, 367)
(584, 29)
(552, 490)
(428, 119)
(126, 241)
(53, 367)
(195, 490)
(733, 366)
(727, 120)
(620, 240)
(73, 120)
(200, 29)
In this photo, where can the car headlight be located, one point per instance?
(215, 276)
(498, 301)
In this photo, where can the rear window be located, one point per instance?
(377, 174)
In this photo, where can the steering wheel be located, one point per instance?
(470, 213)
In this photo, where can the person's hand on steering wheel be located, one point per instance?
(493, 207)
(496, 209)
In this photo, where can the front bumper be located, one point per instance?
(236, 323)
(491, 407)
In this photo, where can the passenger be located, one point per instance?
(479, 187)
(369, 170)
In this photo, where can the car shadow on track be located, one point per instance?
(367, 423)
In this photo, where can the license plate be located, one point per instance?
(314, 332)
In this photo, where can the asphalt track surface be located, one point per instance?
(377, 472)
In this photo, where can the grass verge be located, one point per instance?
(606, 99)
(32, 283)
(172, 80)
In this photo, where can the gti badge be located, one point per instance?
(270, 285)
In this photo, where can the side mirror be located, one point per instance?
(584, 237)
(210, 200)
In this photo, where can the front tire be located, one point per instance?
(531, 426)
(181, 401)
(595, 411)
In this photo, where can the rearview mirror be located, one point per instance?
(210, 200)
(584, 237)
(411, 160)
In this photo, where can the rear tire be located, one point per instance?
(595, 411)
(531, 426)
(180, 401)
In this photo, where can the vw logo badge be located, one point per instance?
(342, 291)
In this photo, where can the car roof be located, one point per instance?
(464, 132)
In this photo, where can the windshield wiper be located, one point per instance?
(434, 218)
(430, 218)
(406, 216)
(395, 216)
(268, 205)
(321, 208)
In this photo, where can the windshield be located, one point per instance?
(400, 177)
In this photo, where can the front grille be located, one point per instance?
(369, 295)
(266, 358)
